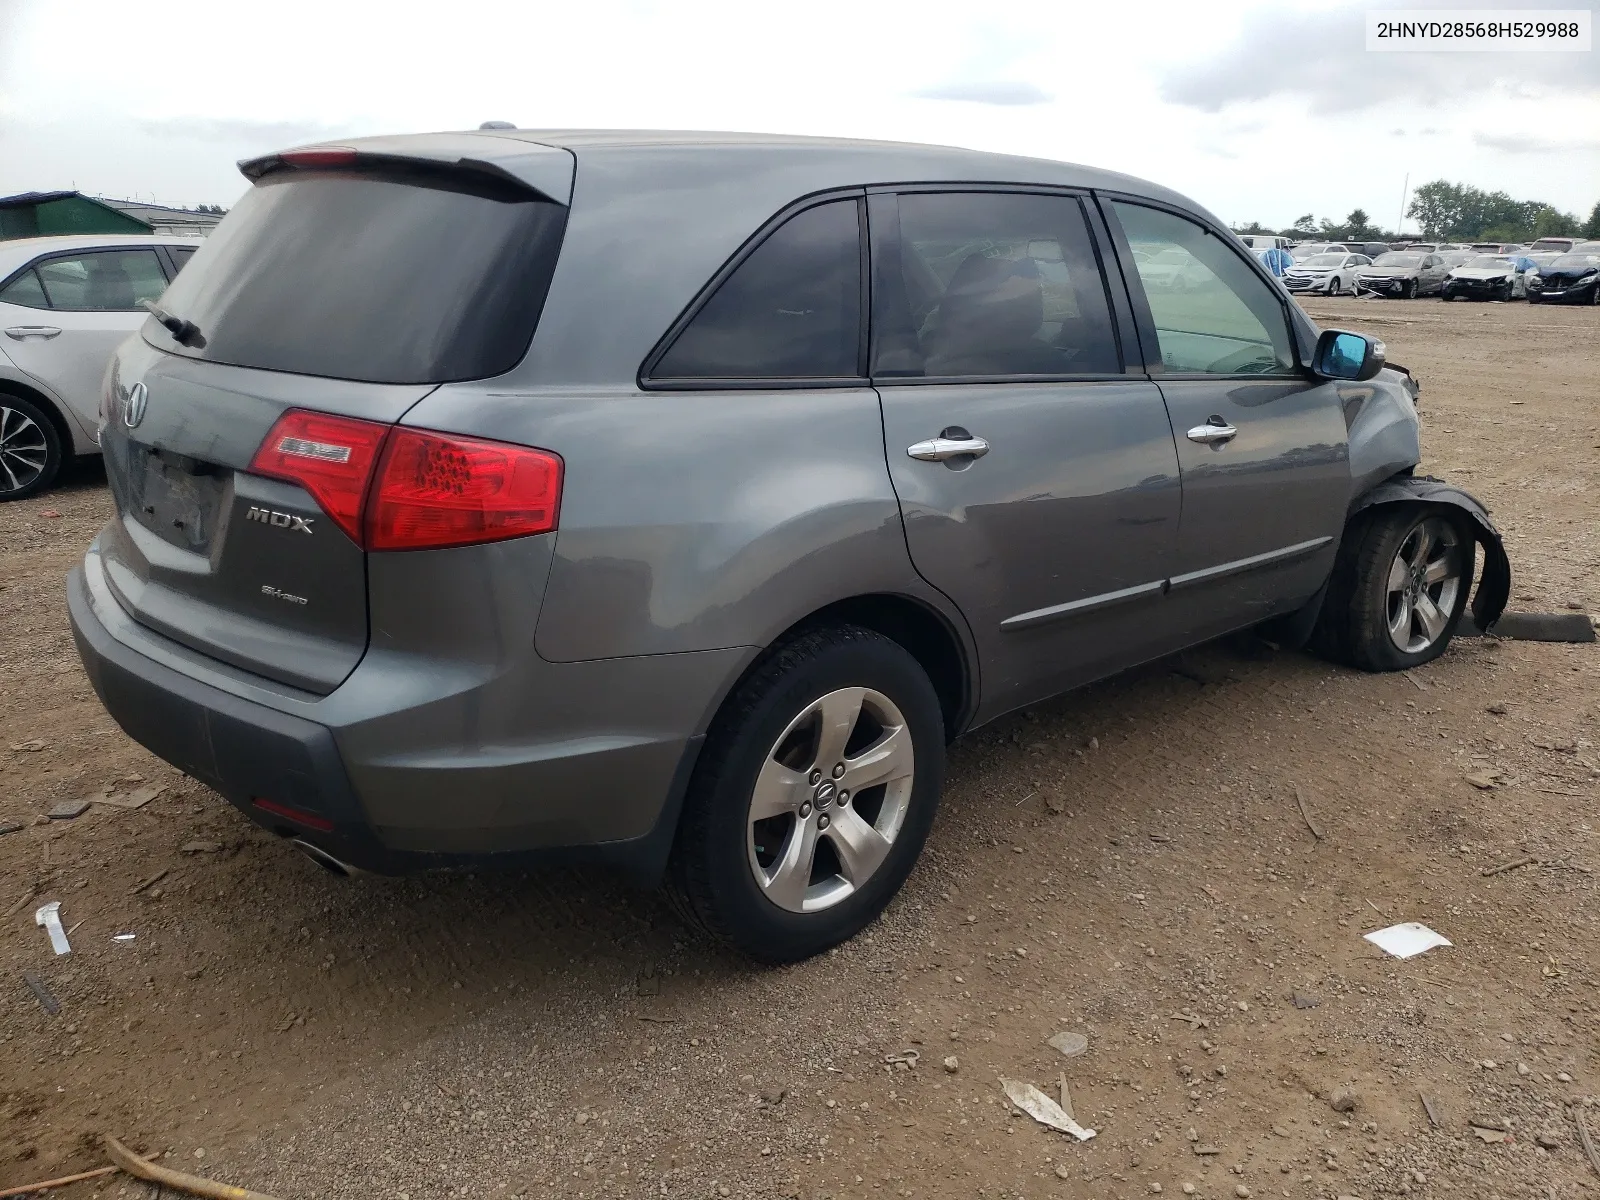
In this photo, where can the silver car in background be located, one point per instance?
(65, 304)
(1403, 273)
(1332, 273)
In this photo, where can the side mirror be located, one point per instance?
(1342, 355)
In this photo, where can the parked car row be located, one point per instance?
(1550, 270)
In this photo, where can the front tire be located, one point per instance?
(814, 794)
(1399, 588)
(30, 448)
(1409, 291)
(1333, 286)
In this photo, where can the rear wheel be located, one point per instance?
(818, 785)
(1398, 590)
(30, 448)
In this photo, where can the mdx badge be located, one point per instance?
(280, 520)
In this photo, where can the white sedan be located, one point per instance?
(65, 304)
(1331, 273)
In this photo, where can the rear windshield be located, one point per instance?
(391, 278)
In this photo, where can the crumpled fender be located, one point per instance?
(1494, 585)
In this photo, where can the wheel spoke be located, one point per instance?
(779, 791)
(860, 847)
(1421, 545)
(839, 712)
(786, 883)
(1400, 621)
(1438, 570)
(1399, 576)
(889, 758)
(1429, 614)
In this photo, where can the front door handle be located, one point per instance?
(1215, 432)
(17, 332)
(941, 448)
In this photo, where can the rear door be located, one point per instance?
(345, 292)
(1036, 476)
(66, 313)
(1261, 442)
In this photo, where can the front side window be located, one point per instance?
(1216, 316)
(790, 310)
(105, 281)
(992, 284)
(25, 290)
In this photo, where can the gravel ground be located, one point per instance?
(1130, 862)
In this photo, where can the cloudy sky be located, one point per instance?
(1259, 111)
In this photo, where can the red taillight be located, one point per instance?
(393, 488)
(331, 457)
(328, 156)
(439, 490)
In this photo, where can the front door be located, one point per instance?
(65, 314)
(1261, 441)
(1038, 481)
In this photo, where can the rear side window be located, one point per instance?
(25, 290)
(394, 277)
(105, 281)
(989, 284)
(181, 255)
(790, 310)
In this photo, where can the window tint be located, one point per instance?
(387, 276)
(1214, 315)
(790, 310)
(992, 283)
(25, 290)
(105, 281)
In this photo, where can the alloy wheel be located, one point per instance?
(1423, 585)
(23, 449)
(830, 799)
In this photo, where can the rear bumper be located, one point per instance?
(381, 796)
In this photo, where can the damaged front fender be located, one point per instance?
(1494, 584)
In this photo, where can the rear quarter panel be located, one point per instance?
(699, 521)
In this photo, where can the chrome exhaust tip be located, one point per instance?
(323, 859)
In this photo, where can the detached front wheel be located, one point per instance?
(819, 782)
(1399, 589)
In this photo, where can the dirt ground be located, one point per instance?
(560, 1035)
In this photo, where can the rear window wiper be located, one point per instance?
(185, 333)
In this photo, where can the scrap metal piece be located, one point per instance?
(48, 917)
(1043, 1109)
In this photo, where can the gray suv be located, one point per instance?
(671, 500)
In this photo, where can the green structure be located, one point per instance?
(40, 214)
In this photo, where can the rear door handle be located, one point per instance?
(940, 449)
(1214, 432)
(17, 332)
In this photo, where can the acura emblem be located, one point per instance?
(134, 404)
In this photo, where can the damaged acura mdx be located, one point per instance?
(671, 500)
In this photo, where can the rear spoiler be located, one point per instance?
(347, 158)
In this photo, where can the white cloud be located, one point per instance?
(1189, 95)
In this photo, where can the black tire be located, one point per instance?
(1333, 286)
(1409, 289)
(30, 448)
(1354, 625)
(711, 878)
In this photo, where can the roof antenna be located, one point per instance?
(497, 125)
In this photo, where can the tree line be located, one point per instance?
(1456, 212)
